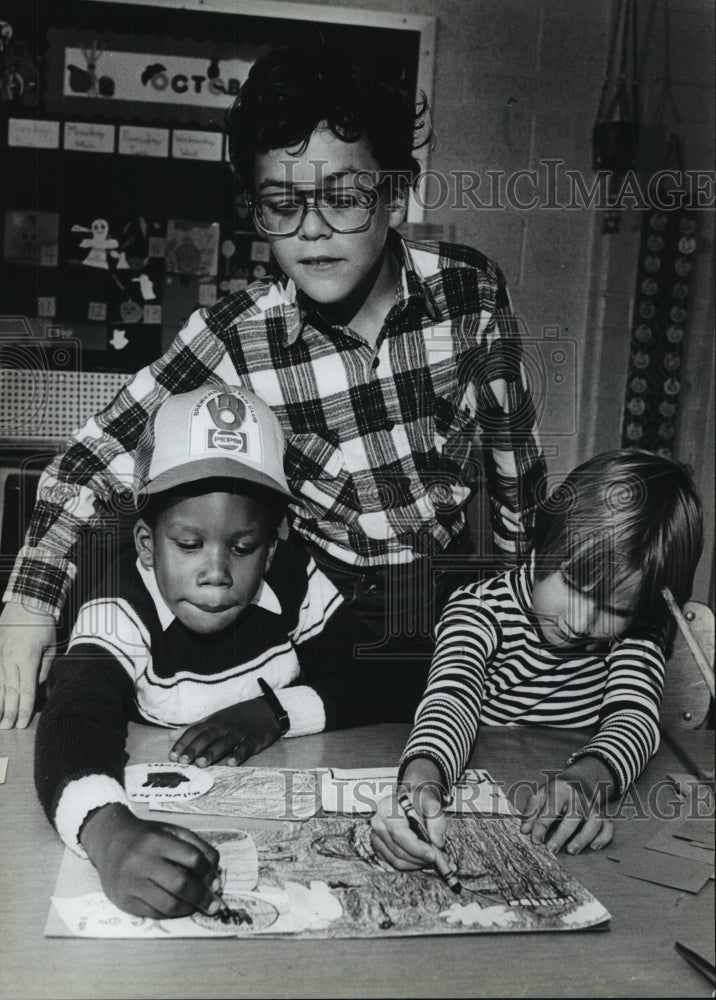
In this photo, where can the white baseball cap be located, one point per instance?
(217, 430)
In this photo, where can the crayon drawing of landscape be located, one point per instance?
(321, 879)
(252, 793)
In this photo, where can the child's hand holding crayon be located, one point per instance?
(392, 836)
(569, 808)
(236, 732)
(151, 869)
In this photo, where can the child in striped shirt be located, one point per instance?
(572, 638)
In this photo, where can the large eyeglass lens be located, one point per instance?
(343, 209)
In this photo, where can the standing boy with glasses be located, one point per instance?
(384, 361)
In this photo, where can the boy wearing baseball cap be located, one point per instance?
(212, 624)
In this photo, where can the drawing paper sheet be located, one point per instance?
(357, 790)
(321, 879)
(251, 793)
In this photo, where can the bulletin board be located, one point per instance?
(120, 214)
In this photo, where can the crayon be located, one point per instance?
(443, 867)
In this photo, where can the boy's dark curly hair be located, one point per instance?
(290, 91)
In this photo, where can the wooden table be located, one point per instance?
(635, 958)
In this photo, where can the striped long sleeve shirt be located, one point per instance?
(383, 440)
(491, 667)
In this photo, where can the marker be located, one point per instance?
(441, 863)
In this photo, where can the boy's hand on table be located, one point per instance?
(391, 836)
(151, 869)
(570, 808)
(236, 732)
(27, 641)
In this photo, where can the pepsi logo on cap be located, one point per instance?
(226, 440)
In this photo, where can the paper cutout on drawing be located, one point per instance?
(166, 781)
(253, 792)
(321, 879)
(358, 790)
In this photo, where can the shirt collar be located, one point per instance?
(523, 584)
(412, 287)
(264, 597)
(413, 284)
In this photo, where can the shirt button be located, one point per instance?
(376, 362)
(389, 425)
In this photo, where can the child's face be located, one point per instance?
(331, 268)
(209, 554)
(570, 618)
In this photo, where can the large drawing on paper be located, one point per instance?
(321, 878)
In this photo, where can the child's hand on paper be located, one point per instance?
(236, 732)
(392, 838)
(151, 869)
(569, 807)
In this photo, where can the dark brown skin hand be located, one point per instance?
(151, 869)
(236, 733)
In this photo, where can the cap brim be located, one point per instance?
(222, 468)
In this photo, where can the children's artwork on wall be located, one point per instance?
(97, 247)
(18, 69)
(145, 77)
(243, 258)
(321, 879)
(109, 83)
(31, 238)
(112, 269)
(192, 248)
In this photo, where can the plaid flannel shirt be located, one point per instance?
(383, 441)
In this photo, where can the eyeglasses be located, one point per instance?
(343, 209)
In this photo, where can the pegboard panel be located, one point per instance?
(40, 405)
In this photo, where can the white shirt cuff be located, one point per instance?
(78, 799)
(305, 709)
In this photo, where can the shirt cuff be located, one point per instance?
(306, 712)
(40, 580)
(78, 800)
(447, 790)
(622, 778)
